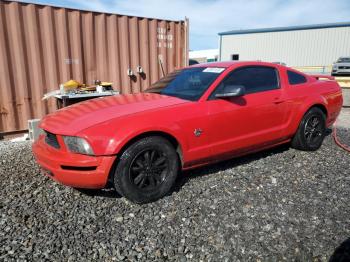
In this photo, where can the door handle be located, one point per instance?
(278, 100)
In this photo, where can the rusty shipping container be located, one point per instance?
(43, 46)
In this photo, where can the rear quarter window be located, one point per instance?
(295, 78)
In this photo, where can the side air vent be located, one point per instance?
(51, 139)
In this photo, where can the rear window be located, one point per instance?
(295, 78)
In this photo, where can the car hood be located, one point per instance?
(72, 119)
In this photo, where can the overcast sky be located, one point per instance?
(209, 17)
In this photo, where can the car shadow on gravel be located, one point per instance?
(210, 169)
(107, 193)
(186, 176)
(342, 252)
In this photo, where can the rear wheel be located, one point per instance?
(146, 170)
(311, 131)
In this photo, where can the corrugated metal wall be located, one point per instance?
(312, 47)
(43, 46)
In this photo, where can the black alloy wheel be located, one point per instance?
(311, 131)
(148, 169)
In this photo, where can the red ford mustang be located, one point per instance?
(194, 116)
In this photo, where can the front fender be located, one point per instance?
(122, 138)
(110, 137)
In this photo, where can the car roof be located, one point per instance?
(216, 64)
(227, 64)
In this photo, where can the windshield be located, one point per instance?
(156, 87)
(189, 84)
(344, 60)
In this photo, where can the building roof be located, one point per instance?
(287, 28)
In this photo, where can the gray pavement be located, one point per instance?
(344, 118)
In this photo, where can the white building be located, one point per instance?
(203, 56)
(312, 45)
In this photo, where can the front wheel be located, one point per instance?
(311, 131)
(146, 170)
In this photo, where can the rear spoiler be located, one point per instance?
(318, 77)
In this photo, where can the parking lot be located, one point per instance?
(280, 204)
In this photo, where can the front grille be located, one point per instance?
(51, 139)
(344, 67)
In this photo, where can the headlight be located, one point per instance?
(78, 145)
(335, 67)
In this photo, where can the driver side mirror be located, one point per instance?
(231, 91)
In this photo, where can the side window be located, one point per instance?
(295, 78)
(253, 78)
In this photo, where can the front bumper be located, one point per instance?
(340, 71)
(71, 169)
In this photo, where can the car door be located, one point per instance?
(253, 120)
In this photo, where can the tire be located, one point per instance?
(146, 170)
(311, 131)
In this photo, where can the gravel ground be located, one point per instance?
(280, 204)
